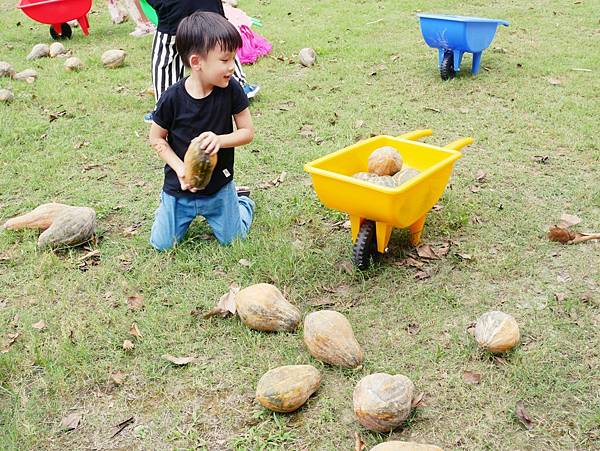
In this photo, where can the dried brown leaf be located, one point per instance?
(422, 275)
(359, 445)
(523, 416)
(71, 421)
(474, 188)
(179, 361)
(135, 331)
(418, 400)
(500, 360)
(443, 249)
(128, 345)
(471, 377)
(245, 262)
(567, 220)
(135, 302)
(117, 377)
(560, 297)
(464, 256)
(347, 267)
(426, 251)
(307, 131)
(132, 229)
(12, 337)
(480, 176)
(413, 328)
(226, 304)
(40, 325)
(409, 261)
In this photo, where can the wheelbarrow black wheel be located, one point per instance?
(447, 66)
(65, 32)
(365, 246)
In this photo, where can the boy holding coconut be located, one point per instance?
(200, 108)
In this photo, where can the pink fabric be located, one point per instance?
(253, 46)
(236, 16)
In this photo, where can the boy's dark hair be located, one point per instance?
(202, 31)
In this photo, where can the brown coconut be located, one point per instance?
(329, 338)
(73, 64)
(395, 445)
(287, 388)
(39, 51)
(385, 161)
(72, 227)
(6, 69)
(56, 49)
(497, 331)
(41, 217)
(113, 58)
(6, 95)
(307, 57)
(383, 402)
(263, 307)
(26, 75)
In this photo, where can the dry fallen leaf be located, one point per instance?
(567, 220)
(133, 330)
(359, 445)
(117, 377)
(413, 329)
(307, 131)
(132, 229)
(71, 421)
(422, 275)
(409, 261)
(135, 302)
(40, 325)
(245, 262)
(12, 337)
(560, 297)
(470, 377)
(418, 400)
(347, 267)
(523, 416)
(128, 345)
(226, 304)
(179, 360)
(554, 81)
(480, 176)
(475, 188)
(466, 257)
(426, 251)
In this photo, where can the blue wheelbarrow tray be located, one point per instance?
(459, 34)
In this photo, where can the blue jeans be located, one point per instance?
(228, 215)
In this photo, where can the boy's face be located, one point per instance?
(217, 67)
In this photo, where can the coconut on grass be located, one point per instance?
(497, 332)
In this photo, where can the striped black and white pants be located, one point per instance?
(168, 68)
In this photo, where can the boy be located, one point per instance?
(201, 107)
(167, 65)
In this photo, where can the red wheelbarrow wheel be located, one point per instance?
(65, 32)
(365, 246)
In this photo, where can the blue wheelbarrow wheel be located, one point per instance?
(447, 66)
(365, 246)
(65, 32)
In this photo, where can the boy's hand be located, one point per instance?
(209, 142)
(185, 186)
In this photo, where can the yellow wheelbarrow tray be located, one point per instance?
(375, 210)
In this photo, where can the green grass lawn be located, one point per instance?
(374, 75)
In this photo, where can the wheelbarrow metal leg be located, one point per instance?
(84, 24)
(416, 229)
(458, 56)
(476, 62)
(355, 223)
(383, 232)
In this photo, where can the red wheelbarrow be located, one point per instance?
(57, 13)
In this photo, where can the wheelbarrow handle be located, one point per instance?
(459, 143)
(413, 136)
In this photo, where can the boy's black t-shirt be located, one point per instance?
(170, 12)
(185, 117)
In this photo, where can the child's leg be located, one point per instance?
(167, 67)
(238, 72)
(171, 222)
(229, 216)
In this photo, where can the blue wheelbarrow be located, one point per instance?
(453, 36)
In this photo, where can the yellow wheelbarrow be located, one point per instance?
(375, 210)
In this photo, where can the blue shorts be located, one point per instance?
(228, 215)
